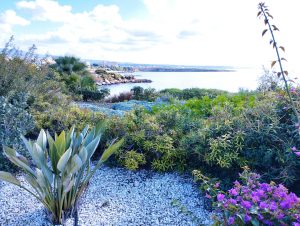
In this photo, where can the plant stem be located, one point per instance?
(280, 63)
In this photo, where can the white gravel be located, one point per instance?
(117, 197)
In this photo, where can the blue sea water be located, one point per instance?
(230, 81)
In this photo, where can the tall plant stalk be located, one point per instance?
(264, 11)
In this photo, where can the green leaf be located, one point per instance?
(60, 143)
(28, 144)
(111, 150)
(64, 160)
(76, 164)
(8, 177)
(255, 222)
(259, 13)
(42, 140)
(283, 59)
(83, 154)
(264, 32)
(40, 178)
(282, 48)
(12, 156)
(68, 184)
(91, 147)
(275, 28)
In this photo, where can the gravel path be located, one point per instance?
(117, 197)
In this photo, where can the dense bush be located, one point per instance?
(62, 118)
(14, 122)
(191, 93)
(94, 95)
(218, 136)
(144, 134)
(148, 94)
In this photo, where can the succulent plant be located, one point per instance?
(60, 168)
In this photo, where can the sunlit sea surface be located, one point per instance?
(230, 81)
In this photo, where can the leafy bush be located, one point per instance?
(61, 118)
(132, 160)
(95, 95)
(88, 82)
(145, 135)
(254, 203)
(68, 64)
(191, 93)
(63, 168)
(139, 93)
(14, 121)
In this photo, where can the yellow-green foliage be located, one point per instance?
(60, 118)
(133, 160)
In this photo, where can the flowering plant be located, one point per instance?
(254, 203)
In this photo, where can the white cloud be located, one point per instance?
(46, 10)
(202, 32)
(9, 18)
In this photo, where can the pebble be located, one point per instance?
(116, 197)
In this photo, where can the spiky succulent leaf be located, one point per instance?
(42, 140)
(8, 177)
(111, 150)
(64, 160)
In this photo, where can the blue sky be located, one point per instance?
(193, 32)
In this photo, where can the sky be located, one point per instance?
(183, 32)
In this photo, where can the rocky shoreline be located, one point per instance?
(105, 77)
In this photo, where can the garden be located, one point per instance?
(186, 157)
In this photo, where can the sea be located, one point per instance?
(231, 81)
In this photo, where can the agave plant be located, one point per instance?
(60, 168)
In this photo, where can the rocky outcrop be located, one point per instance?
(104, 77)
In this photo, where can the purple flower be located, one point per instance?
(263, 205)
(297, 153)
(246, 204)
(220, 197)
(294, 148)
(231, 220)
(217, 185)
(285, 204)
(237, 184)
(296, 224)
(233, 192)
(232, 201)
(279, 215)
(255, 199)
(247, 218)
(273, 206)
(207, 196)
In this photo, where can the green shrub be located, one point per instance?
(69, 64)
(148, 94)
(88, 82)
(61, 118)
(63, 168)
(94, 95)
(133, 160)
(14, 121)
(191, 93)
